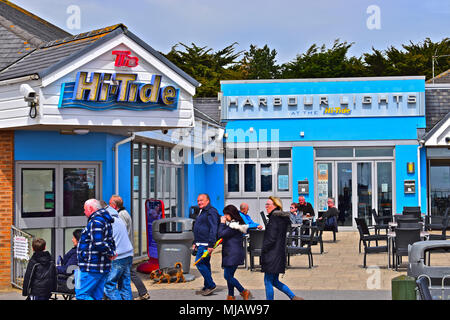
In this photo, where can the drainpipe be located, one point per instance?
(116, 155)
(419, 193)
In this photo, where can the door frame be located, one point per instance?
(59, 222)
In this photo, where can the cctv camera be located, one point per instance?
(447, 139)
(164, 131)
(28, 92)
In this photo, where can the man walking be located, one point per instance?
(95, 252)
(205, 236)
(116, 202)
(118, 284)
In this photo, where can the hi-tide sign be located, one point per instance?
(103, 91)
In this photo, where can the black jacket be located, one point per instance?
(273, 257)
(40, 276)
(233, 252)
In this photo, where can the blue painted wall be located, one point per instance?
(303, 168)
(204, 178)
(52, 146)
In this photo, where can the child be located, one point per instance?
(231, 230)
(40, 276)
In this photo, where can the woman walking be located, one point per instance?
(273, 256)
(232, 229)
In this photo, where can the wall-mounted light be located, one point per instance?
(410, 167)
(251, 129)
(302, 134)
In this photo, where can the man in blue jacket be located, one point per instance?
(95, 252)
(246, 217)
(205, 236)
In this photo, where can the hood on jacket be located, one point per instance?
(236, 226)
(43, 257)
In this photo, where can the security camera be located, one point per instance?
(447, 139)
(164, 131)
(28, 92)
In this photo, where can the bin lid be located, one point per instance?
(182, 230)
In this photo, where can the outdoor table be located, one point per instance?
(391, 237)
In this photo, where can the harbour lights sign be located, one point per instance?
(103, 91)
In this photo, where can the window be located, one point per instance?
(374, 152)
(334, 152)
(249, 177)
(283, 177)
(266, 177)
(233, 178)
(38, 193)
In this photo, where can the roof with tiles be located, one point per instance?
(21, 32)
(443, 77)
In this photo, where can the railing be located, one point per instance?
(20, 254)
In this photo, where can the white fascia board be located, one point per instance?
(437, 139)
(110, 45)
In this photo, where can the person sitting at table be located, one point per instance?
(246, 217)
(295, 216)
(305, 208)
(329, 217)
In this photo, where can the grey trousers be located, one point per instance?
(138, 282)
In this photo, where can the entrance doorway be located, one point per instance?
(357, 187)
(50, 200)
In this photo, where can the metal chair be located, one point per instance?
(407, 224)
(381, 222)
(256, 238)
(264, 218)
(294, 246)
(414, 211)
(403, 238)
(423, 288)
(365, 233)
(436, 222)
(365, 237)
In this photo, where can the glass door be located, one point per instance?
(344, 193)
(364, 191)
(50, 200)
(384, 188)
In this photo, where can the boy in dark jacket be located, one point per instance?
(40, 276)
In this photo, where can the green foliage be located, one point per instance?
(210, 67)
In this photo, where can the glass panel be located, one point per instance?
(144, 179)
(173, 195)
(324, 185)
(178, 194)
(344, 178)
(283, 177)
(334, 152)
(159, 183)
(266, 177)
(249, 177)
(160, 154)
(79, 186)
(275, 153)
(152, 181)
(166, 154)
(68, 235)
(136, 187)
(246, 153)
(233, 177)
(46, 234)
(167, 177)
(439, 187)
(364, 178)
(374, 152)
(384, 188)
(38, 193)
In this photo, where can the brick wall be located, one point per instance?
(6, 205)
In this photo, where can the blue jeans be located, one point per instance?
(204, 267)
(270, 281)
(90, 285)
(118, 284)
(231, 280)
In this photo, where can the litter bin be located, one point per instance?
(174, 238)
(403, 288)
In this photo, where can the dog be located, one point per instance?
(168, 274)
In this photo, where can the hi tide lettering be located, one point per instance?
(122, 87)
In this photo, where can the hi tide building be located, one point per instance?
(92, 115)
(352, 139)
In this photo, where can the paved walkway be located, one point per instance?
(337, 274)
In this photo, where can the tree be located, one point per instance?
(259, 63)
(324, 63)
(206, 66)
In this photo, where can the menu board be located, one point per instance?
(322, 186)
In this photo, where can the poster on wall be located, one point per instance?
(322, 186)
(154, 210)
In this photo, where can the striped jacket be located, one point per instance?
(96, 243)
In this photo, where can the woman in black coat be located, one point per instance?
(232, 229)
(273, 256)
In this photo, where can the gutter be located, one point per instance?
(116, 155)
(19, 80)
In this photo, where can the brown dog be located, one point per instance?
(168, 274)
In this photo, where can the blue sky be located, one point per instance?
(289, 26)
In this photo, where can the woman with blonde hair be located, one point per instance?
(273, 257)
